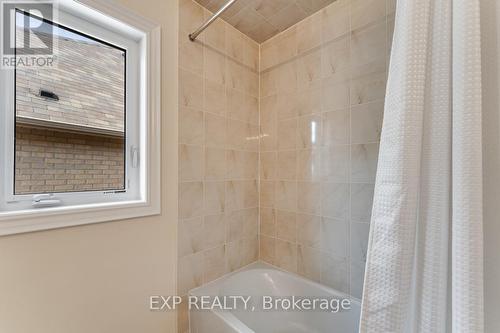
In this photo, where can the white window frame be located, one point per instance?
(141, 39)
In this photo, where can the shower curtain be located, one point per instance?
(424, 271)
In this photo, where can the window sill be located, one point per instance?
(69, 216)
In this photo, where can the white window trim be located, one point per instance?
(134, 125)
(148, 200)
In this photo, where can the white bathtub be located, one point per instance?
(260, 279)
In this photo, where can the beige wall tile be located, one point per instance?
(286, 226)
(359, 241)
(235, 44)
(190, 199)
(268, 165)
(286, 106)
(309, 164)
(335, 200)
(334, 272)
(190, 162)
(334, 237)
(336, 127)
(286, 195)
(357, 274)
(215, 131)
(366, 122)
(242, 78)
(190, 126)
(364, 162)
(242, 224)
(368, 88)
(287, 134)
(190, 90)
(242, 164)
(335, 163)
(242, 107)
(279, 49)
(309, 133)
(214, 231)
(369, 44)
(309, 262)
(251, 57)
(215, 163)
(215, 34)
(286, 165)
(215, 98)
(309, 198)
(267, 193)
(268, 221)
(214, 263)
(281, 79)
(268, 109)
(364, 12)
(190, 18)
(309, 101)
(191, 56)
(191, 238)
(361, 202)
(214, 197)
(242, 136)
(190, 273)
(286, 255)
(269, 137)
(309, 33)
(309, 230)
(335, 94)
(267, 249)
(267, 84)
(335, 57)
(215, 66)
(286, 78)
(335, 20)
(308, 69)
(242, 252)
(241, 194)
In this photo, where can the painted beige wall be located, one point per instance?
(97, 278)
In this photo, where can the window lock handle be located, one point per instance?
(45, 200)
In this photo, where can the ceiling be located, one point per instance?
(263, 19)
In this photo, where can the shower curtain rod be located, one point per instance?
(205, 25)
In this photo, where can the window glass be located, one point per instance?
(70, 118)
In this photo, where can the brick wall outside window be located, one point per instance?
(57, 161)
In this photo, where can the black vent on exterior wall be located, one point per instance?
(48, 95)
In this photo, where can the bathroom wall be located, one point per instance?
(98, 277)
(322, 97)
(218, 151)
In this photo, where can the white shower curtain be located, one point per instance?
(424, 271)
